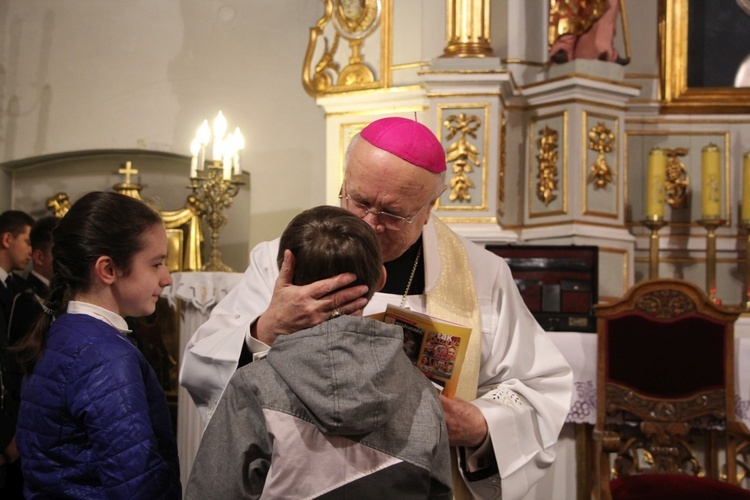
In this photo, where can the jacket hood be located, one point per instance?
(347, 371)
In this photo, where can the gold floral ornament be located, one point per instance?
(601, 140)
(58, 204)
(678, 181)
(547, 158)
(462, 153)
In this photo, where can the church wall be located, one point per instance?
(93, 75)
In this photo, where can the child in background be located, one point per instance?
(94, 421)
(336, 410)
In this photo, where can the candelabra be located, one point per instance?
(215, 187)
(711, 225)
(213, 193)
(654, 223)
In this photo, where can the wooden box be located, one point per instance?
(558, 283)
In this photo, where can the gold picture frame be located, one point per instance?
(676, 95)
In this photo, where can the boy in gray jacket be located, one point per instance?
(334, 411)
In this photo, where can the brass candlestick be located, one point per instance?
(654, 223)
(213, 193)
(711, 225)
(745, 302)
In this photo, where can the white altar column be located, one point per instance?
(574, 165)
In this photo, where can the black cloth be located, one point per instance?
(400, 269)
(11, 480)
(26, 308)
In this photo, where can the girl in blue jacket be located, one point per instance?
(94, 421)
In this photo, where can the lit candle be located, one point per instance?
(228, 156)
(239, 144)
(746, 188)
(220, 128)
(657, 173)
(195, 148)
(711, 183)
(204, 135)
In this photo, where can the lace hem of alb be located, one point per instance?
(505, 397)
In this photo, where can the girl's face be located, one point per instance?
(137, 292)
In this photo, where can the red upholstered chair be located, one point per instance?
(665, 378)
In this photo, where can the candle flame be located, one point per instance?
(204, 133)
(239, 140)
(220, 126)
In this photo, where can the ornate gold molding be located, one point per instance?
(601, 140)
(682, 410)
(547, 174)
(678, 180)
(58, 204)
(462, 153)
(665, 304)
(353, 22)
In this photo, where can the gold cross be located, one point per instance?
(127, 171)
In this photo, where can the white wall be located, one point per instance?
(101, 74)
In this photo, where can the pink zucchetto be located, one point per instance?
(407, 139)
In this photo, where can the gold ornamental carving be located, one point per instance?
(665, 304)
(184, 233)
(547, 175)
(58, 204)
(681, 410)
(347, 21)
(678, 180)
(462, 154)
(601, 140)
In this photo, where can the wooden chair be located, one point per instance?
(665, 379)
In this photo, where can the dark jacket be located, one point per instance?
(10, 376)
(26, 308)
(335, 411)
(94, 421)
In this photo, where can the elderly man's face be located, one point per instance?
(384, 182)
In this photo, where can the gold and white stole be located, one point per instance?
(455, 299)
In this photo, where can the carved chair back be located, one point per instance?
(665, 367)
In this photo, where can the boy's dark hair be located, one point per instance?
(41, 232)
(14, 222)
(327, 241)
(99, 223)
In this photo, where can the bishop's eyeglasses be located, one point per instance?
(389, 220)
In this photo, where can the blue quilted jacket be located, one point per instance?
(94, 421)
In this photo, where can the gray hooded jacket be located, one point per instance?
(335, 411)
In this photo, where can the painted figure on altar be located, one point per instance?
(584, 29)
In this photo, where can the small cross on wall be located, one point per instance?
(127, 171)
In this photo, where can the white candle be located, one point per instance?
(204, 136)
(228, 155)
(220, 128)
(195, 148)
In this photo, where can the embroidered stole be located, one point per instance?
(455, 299)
